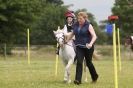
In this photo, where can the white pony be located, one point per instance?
(66, 52)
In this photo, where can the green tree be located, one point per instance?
(51, 18)
(124, 9)
(15, 17)
(57, 2)
(107, 37)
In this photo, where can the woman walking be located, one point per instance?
(85, 38)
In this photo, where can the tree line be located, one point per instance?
(43, 16)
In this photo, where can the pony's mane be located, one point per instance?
(59, 31)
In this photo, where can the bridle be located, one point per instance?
(63, 38)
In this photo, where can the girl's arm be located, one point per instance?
(69, 36)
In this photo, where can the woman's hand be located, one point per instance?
(88, 45)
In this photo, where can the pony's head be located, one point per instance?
(129, 42)
(60, 36)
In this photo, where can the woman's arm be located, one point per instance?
(93, 34)
(69, 36)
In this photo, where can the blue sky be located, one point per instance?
(101, 9)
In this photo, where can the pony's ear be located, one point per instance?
(58, 28)
(65, 29)
(54, 32)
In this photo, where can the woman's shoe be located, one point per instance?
(95, 80)
(77, 82)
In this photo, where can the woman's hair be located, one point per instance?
(83, 14)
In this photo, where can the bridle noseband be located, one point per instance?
(63, 38)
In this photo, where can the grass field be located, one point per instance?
(16, 73)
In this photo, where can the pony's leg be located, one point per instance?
(64, 63)
(70, 62)
(65, 73)
(85, 70)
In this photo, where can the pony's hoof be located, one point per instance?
(69, 81)
(65, 81)
(86, 80)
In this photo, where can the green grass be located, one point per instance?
(16, 73)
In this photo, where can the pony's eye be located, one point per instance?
(55, 36)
